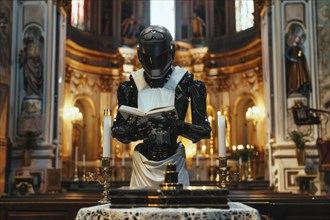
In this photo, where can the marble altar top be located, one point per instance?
(236, 210)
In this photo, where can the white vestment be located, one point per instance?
(151, 173)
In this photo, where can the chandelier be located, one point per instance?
(74, 115)
(253, 114)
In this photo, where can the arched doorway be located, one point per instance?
(88, 142)
(245, 130)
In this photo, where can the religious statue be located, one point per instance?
(128, 31)
(298, 79)
(128, 27)
(159, 84)
(30, 60)
(198, 26)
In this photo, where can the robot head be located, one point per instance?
(156, 53)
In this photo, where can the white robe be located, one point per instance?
(151, 173)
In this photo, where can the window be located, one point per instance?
(244, 10)
(77, 14)
(163, 13)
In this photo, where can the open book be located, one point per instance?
(155, 113)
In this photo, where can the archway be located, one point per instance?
(245, 131)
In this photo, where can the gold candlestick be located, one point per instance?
(212, 172)
(211, 153)
(225, 176)
(103, 177)
(123, 172)
(198, 172)
(76, 177)
(84, 174)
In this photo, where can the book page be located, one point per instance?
(126, 111)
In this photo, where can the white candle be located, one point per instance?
(123, 160)
(197, 159)
(76, 157)
(84, 160)
(221, 135)
(107, 120)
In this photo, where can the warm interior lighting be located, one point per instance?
(203, 148)
(253, 114)
(74, 115)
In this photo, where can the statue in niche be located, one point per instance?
(31, 119)
(159, 84)
(128, 30)
(198, 26)
(128, 27)
(298, 78)
(30, 60)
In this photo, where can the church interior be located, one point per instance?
(265, 65)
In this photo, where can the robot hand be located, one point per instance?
(167, 121)
(139, 129)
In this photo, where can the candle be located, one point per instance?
(84, 160)
(197, 159)
(123, 160)
(221, 135)
(107, 133)
(76, 157)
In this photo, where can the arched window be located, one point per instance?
(77, 14)
(163, 13)
(244, 10)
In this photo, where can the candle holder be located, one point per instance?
(123, 172)
(103, 177)
(225, 177)
(224, 174)
(76, 177)
(212, 173)
(198, 172)
(84, 175)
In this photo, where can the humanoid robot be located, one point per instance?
(159, 84)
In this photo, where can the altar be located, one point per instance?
(236, 210)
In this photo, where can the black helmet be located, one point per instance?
(156, 52)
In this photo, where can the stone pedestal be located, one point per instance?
(30, 119)
(41, 161)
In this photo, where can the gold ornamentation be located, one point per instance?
(103, 177)
(225, 176)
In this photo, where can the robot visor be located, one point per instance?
(156, 62)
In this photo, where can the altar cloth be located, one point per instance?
(237, 210)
